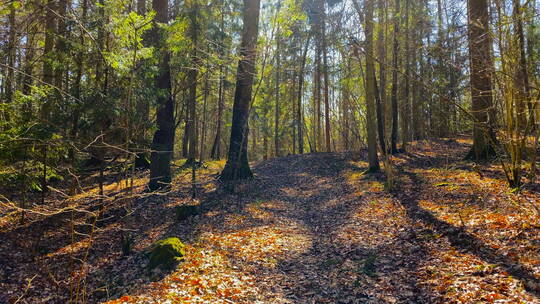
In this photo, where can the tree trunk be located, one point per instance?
(522, 75)
(48, 50)
(370, 91)
(216, 146)
(316, 99)
(299, 99)
(192, 75)
(276, 89)
(61, 47)
(163, 142)
(481, 65)
(237, 166)
(395, 67)
(79, 61)
(141, 7)
(405, 106)
(205, 101)
(381, 105)
(11, 53)
(322, 16)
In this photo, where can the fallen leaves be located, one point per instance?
(315, 229)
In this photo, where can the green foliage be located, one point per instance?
(290, 15)
(129, 30)
(6, 9)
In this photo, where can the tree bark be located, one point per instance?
(481, 65)
(192, 81)
(163, 142)
(48, 50)
(237, 166)
(522, 75)
(405, 106)
(373, 159)
(11, 54)
(276, 91)
(395, 67)
(299, 99)
(216, 146)
(322, 16)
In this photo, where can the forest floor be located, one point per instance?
(309, 228)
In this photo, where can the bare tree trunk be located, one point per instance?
(322, 18)
(381, 104)
(193, 72)
(405, 106)
(481, 64)
(11, 53)
(395, 67)
(79, 61)
(276, 91)
(522, 77)
(317, 136)
(299, 113)
(205, 100)
(216, 147)
(48, 50)
(370, 91)
(61, 46)
(237, 166)
(163, 142)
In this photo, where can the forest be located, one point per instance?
(276, 151)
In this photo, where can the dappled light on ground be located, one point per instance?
(312, 229)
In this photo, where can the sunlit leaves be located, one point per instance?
(129, 30)
(177, 40)
(290, 14)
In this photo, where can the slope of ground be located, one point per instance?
(309, 229)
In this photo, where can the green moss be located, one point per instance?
(185, 211)
(368, 266)
(166, 253)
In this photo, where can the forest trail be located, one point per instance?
(314, 229)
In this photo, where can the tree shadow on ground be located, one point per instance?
(317, 197)
(458, 237)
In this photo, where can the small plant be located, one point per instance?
(368, 266)
(127, 243)
(185, 211)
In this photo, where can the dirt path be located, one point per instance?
(314, 229)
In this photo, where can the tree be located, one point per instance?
(48, 51)
(299, 113)
(405, 102)
(371, 127)
(237, 166)
(162, 144)
(276, 91)
(395, 67)
(481, 65)
(216, 146)
(192, 75)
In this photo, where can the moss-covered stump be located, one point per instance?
(185, 211)
(166, 253)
